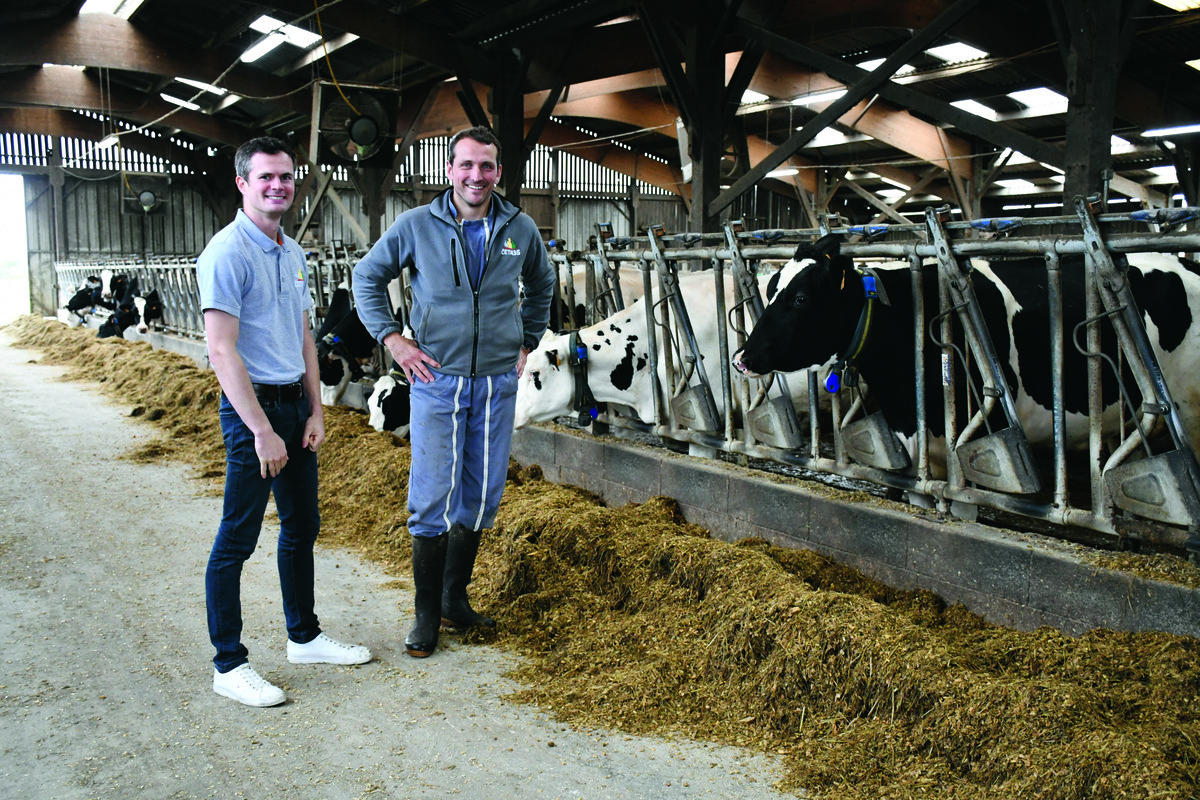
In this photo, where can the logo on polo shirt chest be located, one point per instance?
(509, 248)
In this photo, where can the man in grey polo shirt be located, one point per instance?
(254, 293)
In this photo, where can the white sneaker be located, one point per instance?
(327, 650)
(247, 686)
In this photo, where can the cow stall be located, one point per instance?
(1136, 478)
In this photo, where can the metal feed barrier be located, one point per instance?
(984, 467)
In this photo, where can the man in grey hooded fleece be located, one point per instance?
(469, 254)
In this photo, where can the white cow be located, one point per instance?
(619, 358)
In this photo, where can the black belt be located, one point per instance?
(287, 393)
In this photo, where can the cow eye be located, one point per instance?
(799, 300)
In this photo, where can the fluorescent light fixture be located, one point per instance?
(68, 66)
(956, 52)
(783, 173)
(1047, 205)
(1174, 131)
(1020, 207)
(120, 8)
(208, 87)
(818, 97)
(177, 101)
(262, 47)
(751, 96)
(871, 65)
(976, 108)
(297, 36)
(107, 142)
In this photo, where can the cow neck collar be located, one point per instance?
(584, 401)
(845, 371)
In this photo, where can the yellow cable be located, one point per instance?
(317, 12)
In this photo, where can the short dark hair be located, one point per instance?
(261, 144)
(479, 133)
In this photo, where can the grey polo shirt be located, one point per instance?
(265, 285)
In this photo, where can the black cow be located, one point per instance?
(124, 312)
(343, 344)
(816, 300)
(86, 298)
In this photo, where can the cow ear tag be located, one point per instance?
(833, 381)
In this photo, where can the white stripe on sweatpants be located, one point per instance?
(487, 461)
(454, 450)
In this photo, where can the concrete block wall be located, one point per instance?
(1019, 581)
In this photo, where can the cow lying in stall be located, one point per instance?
(388, 405)
(84, 300)
(815, 302)
(122, 304)
(618, 368)
(343, 346)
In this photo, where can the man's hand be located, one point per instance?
(272, 453)
(314, 432)
(521, 359)
(409, 357)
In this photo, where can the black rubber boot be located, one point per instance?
(460, 561)
(429, 561)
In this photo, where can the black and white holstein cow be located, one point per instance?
(343, 346)
(124, 308)
(388, 405)
(618, 369)
(83, 301)
(149, 309)
(815, 302)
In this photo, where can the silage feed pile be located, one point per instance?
(632, 619)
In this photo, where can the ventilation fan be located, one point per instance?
(357, 130)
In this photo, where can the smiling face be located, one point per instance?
(268, 188)
(473, 173)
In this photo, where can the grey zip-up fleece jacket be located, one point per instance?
(470, 332)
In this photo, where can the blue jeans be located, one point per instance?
(246, 494)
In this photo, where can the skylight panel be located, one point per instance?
(1179, 5)
(976, 108)
(1017, 185)
(871, 65)
(1041, 101)
(956, 52)
(296, 36)
(119, 8)
(818, 97)
(751, 96)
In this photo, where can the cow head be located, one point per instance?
(812, 308)
(149, 309)
(389, 406)
(546, 387)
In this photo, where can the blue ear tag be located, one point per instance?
(869, 285)
(581, 352)
(594, 412)
(833, 382)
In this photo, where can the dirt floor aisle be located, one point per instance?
(105, 676)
